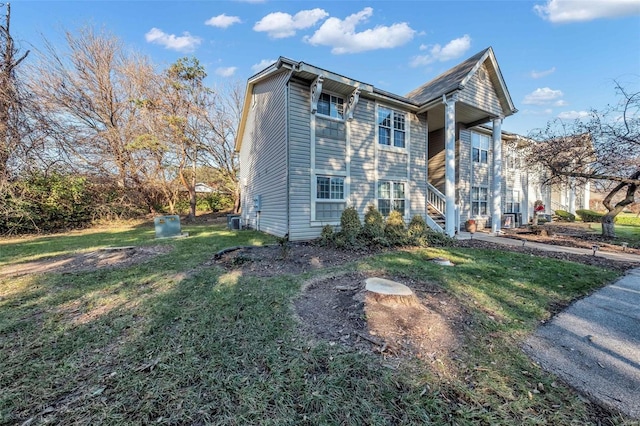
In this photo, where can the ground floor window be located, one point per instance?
(330, 198)
(391, 196)
(512, 202)
(479, 201)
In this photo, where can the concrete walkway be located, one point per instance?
(623, 256)
(593, 345)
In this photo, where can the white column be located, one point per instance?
(450, 165)
(587, 195)
(572, 196)
(496, 196)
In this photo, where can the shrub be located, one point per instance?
(327, 236)
(565, 216)
(589, 215)
(436, 239)
(350, 226)
(373, 228)
(416, 231)
(628, 220)
(218, 202)
(394, 229)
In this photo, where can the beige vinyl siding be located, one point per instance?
(363, 139)
(418, 165)
(300, 164)
(265, 138)
(331, 153)
(463, 171)
(392, 164)
(481, 93)
(436, 159)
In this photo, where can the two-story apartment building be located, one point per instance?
(312, 142)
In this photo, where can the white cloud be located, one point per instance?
(573, 115)
(563, 11)
(341, 35)
(226, 71)
(539, 74)
(538, 112)
(543, 96)
(184, 43)
(262, 65)
(281, 25)
(222, 21)
(452, 50)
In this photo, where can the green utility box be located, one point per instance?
(167, 226)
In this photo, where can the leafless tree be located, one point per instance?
(88, 96)
(10, 99)
(603, 149)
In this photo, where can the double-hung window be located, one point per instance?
(479, 148)
(330, 105)
(330, 200)
(512, 202)
(391, 196)
(479, 200)
(391, 127)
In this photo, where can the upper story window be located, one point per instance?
(512, 158)
(330, 105)
(479, 148)
(391, 127)
(330, 188)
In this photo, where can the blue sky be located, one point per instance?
(559, 58)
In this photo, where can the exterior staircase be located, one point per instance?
(436, 205)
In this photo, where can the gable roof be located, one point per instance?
(457, 77)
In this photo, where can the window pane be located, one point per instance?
(474, 209)
(483, 208)
(384, 117)
(398, 138)
(398, 121)
(398, 205)
(475, 155)
(398, 190)
(323, 184)
(474, 193)
(337, 107)
(483, 156)
(337, 188)
(384, 190)
(384, 136)
(484, 194)
(384, 207)
(323, 104)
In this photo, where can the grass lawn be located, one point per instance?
(168, 342)
(624, 233)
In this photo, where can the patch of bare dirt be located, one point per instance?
(296, 258)
(568, 234)
(115, 257)
(428, 326)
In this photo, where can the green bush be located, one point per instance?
(218, 202)
(565, 216)
(327, 236)
(394, 229)
(49, 202)
(628, 220)
(373, 227)
(589, 216)
(433, 238)
(350, 225)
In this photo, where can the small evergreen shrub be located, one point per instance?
(327, 236)
(373, 227)
(350, 225)
(395, 230)
(416, 231)
(565, 216)
(589, 216)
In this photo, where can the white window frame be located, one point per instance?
(392, 195)
(479, 201)
(477, 140)
(336, 109)
(394, 118)
(513, 198)
(316, 200)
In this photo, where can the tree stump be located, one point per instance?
(389, 292)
